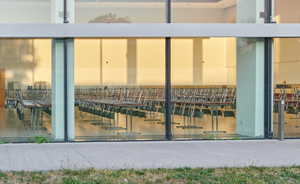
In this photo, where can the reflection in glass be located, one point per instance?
(25, 11)
(25, 88)
(214, 94)
(210, 11)
(286, 11)
(116, 11)
(217, 11)
(287, 84)
(119, 88)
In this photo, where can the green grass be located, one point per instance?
(38, 139)
(179, 175)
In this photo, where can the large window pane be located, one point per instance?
(119, 88)
(25, 89)
(287, 11)
(217, 11)
(25, 11)
(287, 84)
(217, 76)
(117, 11)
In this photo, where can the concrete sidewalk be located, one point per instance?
(167, 154)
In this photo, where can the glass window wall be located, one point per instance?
(217, 91)
(286, 11)
(217, 11)
(287, 84)
(25, 89)
(25, 11)
(117, 11)
(119, 88)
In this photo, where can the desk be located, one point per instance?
(117, 104)
(214, 108)
(36, 113)
(130, 107)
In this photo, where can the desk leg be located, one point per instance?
(114, 127)
(34, 118)
(114, 120)
(217, 123)
(117, 119)
(38, 120)
(31, 122)
(126, 120)
(131, 121)
(129, 133)
(42, 120)
(212, 121)
(172, 122)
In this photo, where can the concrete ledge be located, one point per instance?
(120, 30)
(117, 155)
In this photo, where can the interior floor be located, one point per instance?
(291, 127)
(146, 129)
(15, 130)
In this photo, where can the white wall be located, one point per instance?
(26, 61)
(195, 61)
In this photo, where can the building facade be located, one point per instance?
(111, 70)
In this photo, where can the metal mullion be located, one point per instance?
(168, 75)
(268, 112)
(268, 12)
(168, 11)
(268, 88)
(65, 77)
(66, 89)
(65, 12)
(168, 89)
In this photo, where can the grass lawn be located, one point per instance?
(180, 175)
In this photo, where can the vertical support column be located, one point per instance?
(70, 11)
(66, 88)
(69, 75)
(70, 90)
(249, 11)
(62, 74)
(281, 120)
(2, 87)
(131, 61)
(250, 88)
(197, 61)
(250, 73)
(58, 99)
(168, 74)
(57, 11)
(268, 96)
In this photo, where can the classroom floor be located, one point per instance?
(150, 129)
(15, 130)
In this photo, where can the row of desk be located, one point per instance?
(151, 106)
